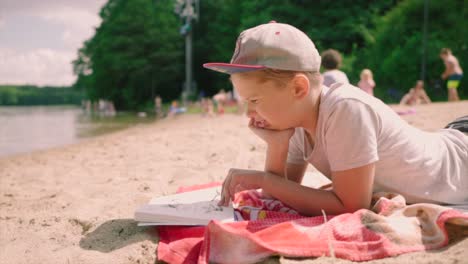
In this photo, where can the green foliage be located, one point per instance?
(342, 25)
(135, 54)
(395, 55)
(32, 95)
(138, 51)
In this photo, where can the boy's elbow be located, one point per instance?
(350, 205)
(353, 207)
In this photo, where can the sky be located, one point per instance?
(40, 38)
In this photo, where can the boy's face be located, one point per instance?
(267, 104)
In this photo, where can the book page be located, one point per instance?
(208, 194)
(188, 208)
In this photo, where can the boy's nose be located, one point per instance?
(250, 112)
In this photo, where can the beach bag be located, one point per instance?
(459, 124)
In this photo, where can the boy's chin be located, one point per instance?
(276, 128)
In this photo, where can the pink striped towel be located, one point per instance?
(270, 228)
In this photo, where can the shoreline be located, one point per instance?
(75, 203)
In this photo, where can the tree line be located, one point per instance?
(33, 95)
(138, 50)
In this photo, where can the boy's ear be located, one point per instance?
(300, 85)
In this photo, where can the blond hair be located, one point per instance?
(445, 51)
(366, 72)
(281, 77)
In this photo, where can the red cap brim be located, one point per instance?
(230, 68)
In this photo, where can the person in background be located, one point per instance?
(453, 73)
(158, 107)
(367, 82)
(331, 62)
(207, 107)
(239, 102)
(174, 109)
(220, 99)
(110, 111)
(416, 95)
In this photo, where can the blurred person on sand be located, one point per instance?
(354, 139)
(367, 83)
(220, 99)
(174, 109)
(158, 107)
(453, 73)
(416, 95)
(207, 107)
(239, 102)
(331, 62)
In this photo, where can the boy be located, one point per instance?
(356, 140)
(453, 72)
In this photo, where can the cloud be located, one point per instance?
(79, 21)
(79, 24)
(39, 67)
(19, 6)
(43, 61)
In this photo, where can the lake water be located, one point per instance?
(25, 129)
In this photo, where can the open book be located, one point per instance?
(187, 208)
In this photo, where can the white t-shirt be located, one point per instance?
(334, 76)
(355, 129)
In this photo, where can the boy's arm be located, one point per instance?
(426, 98)
(276, 164)
(275, 161)
(295, 172)
(277, 148)
(276, 156)
(405, 99)
(352, 190)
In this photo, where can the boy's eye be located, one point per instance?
(253, 101)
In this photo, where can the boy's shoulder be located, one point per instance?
(344, 91)
(340, 94)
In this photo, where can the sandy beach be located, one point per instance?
(75, 204)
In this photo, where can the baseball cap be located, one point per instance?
(272, 45)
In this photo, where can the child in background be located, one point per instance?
(331, 61)
(453, 73)
(207, 107)
(239, 102)
(367, 82)
(416, 95)
(354, 139)
(220, 98)
(158, 107)
(174, 109)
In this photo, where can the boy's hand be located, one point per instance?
(272, 136)
(239, 180)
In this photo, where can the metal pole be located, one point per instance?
(188, 53)
(185, 10)
(188, 60)
(424, 41)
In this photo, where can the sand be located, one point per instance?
(75, 204)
